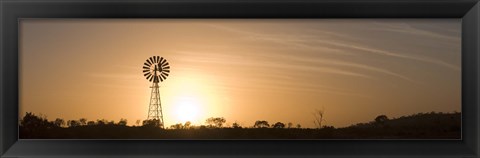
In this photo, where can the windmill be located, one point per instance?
(156, 70)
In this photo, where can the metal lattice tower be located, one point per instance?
(156, 69)
(155, 107)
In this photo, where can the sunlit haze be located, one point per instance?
(240, 69)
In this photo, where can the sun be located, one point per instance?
(187, 109)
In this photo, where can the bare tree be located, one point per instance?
(318, 115)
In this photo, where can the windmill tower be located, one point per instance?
(156, 70)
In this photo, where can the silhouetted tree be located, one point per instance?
(381, 119)
(279, 125)
(187, 125)
(73, 123)
(83, 121)
(31, 121)
(151, 123)
(138, 122)
(261, 124)
(318, 115)
(177, 126)
(216, 121)
(59, 122)
(299, 126)
(290, 125)
(122, 122)
(101, 122)
(236, 125)
(328, 127)
(91, 123)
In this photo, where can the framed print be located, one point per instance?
(240, 79)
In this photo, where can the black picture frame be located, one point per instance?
(13, 10)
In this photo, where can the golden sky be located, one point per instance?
(241, 69)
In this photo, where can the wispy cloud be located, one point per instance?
(283, 39)
(335, 62)
(392, 54)
(114, 76)
(236, 61)
(300, 40)
(296, 89)
(409, 29)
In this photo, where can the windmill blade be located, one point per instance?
(146, 70)
(164, 61)
(158, 59)
(166, 74)
(166, 71)
(163, 76)
(151, 77)
(161, 79)
(146, 64)
(149, 63)
(165, 64)
(146, 67)
(161, 61)
(159, 66)
(166, 68)
(145, 74)
(151, 59)
(154, 59)
(148, 75)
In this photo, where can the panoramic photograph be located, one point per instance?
(224, 79)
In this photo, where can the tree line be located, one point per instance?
(33, 121)
(431, 125)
